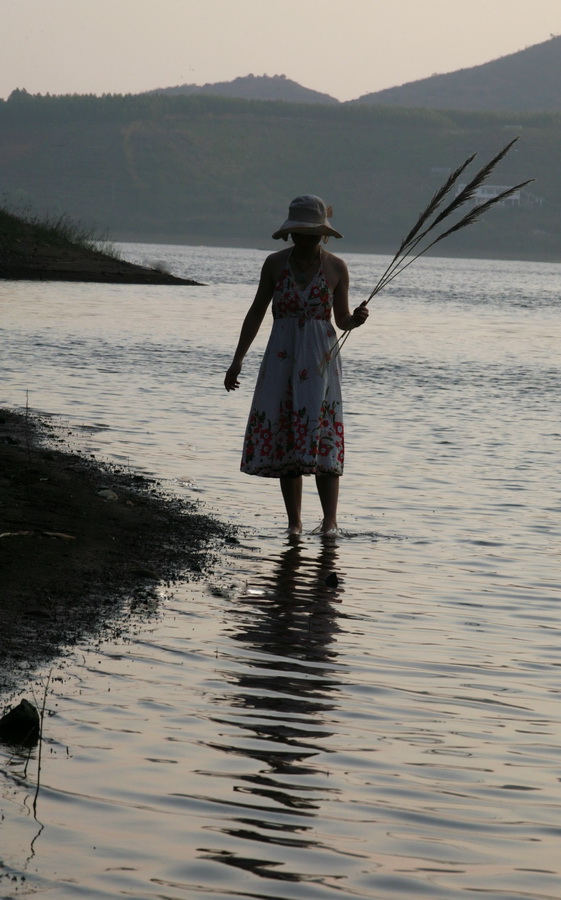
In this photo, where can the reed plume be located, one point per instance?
(425, 232)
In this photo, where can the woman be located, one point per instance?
(295, 425)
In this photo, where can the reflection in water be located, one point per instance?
(284, 689)
(16, 781)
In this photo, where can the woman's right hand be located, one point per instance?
(231, 379)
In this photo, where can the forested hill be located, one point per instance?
(221, 170)
(253, 87)
(527, 81)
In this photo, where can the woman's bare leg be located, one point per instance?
(292, 495)
(328, 490)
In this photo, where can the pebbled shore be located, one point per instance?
(82, 544)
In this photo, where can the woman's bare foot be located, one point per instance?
(328, 490)
(328, 526)
(292, 495)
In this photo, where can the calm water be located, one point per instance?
(267, 734)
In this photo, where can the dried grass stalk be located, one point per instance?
(425, 234)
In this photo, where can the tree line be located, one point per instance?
(199, 168)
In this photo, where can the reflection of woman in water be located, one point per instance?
(277, 712)
(296, 607)
(295, 424)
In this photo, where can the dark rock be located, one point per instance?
(21, 725)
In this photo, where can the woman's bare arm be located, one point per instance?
(252, 323)
(344, 318)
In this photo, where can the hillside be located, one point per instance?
(527, 81)
(253, 87)
(200, 169)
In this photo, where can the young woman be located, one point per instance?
(295, 425)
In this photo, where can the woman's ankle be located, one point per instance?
(328, 525)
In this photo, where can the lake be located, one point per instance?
(372, 716)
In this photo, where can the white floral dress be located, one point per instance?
(295, 425)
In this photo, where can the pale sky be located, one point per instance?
(345, 48)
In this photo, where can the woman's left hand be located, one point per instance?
(360, 314)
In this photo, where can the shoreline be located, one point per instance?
(85, 274)
(86, 267)
(83, 545)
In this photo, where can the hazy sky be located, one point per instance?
(342, 47)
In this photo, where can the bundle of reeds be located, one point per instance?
(430, 227)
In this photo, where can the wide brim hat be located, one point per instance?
(307, 214)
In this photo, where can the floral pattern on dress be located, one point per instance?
(295, 425)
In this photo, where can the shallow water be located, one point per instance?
(372, 716)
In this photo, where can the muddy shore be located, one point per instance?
(82, 544)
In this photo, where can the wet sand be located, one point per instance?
(82, 544)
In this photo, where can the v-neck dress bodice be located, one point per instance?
(295, 425)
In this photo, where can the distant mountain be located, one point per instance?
(254, 87)
(527, 81)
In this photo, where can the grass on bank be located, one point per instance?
(56, 229)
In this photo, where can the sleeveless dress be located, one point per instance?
(295, 424)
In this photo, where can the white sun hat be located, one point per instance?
(307, 214)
